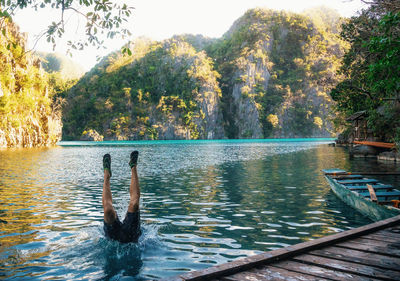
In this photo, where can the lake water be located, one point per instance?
(203, 203)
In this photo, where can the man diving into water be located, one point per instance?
(129, 229)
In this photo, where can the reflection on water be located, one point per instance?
(202, 204)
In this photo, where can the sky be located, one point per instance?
(161, 19)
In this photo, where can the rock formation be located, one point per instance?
(27, 114)
(268, 76)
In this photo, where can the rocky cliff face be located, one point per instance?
(277, 69)
(203, 121)
(208, 101)
(27, 118)
(252, 72)
(166, 90)
(34, 134)
(268, 76)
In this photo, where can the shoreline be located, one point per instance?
(154, 142)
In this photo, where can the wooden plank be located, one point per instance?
(356, 256)
(394, 193)
(376, 242)
(349, 267)
(375, 186)
(383, 237)
(338, 172)
(388, 232)
(395, 229)
(383, 194)
(357, 181)
(376, 144)
(246, 276)
(370, 248)
(226, 278)
(372, 193)
(276, 273)
(319, 271)
(343, 177)
(280, 254)
(388, 173)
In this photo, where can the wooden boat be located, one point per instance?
(373, 199)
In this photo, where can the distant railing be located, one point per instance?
(376, 144)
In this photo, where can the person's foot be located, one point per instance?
(107, 163)
(134, 158)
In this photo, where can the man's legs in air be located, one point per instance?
(109, 212)
(134, 189)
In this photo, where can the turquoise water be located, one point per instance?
(190, 142)
(203, 203)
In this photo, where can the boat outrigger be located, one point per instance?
(373, 199)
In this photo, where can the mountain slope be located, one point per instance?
(276, 69)
(165, 90)
(268, 76)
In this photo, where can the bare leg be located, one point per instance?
(109, 212)
(134, 192)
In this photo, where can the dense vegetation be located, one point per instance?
(268, 76)
(30, 97)
(294, 59)
(160, 91)
(371, 68)
(92, 20)
(27, 113)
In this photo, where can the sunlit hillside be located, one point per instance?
(268, 76)
(28, 112)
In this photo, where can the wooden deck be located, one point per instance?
(377, 144)
(371, 252)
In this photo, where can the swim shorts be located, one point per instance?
(125, 232)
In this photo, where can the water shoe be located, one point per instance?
(134, 158)
(107, 163)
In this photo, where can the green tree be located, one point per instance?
(372, 68)
(29, 108)
(103, 18)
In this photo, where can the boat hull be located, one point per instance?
(368, 208)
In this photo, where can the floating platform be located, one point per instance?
(370, 252)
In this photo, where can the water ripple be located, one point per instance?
(202, 204)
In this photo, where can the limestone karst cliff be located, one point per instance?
(165, 90)
(277, 69)
(268, 76)
(28, 115)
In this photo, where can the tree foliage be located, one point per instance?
(104, 19)
(372, 68)
(28, 100)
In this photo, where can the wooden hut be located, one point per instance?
(360, 130)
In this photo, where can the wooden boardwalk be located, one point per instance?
(377, 144)
(371, 252)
